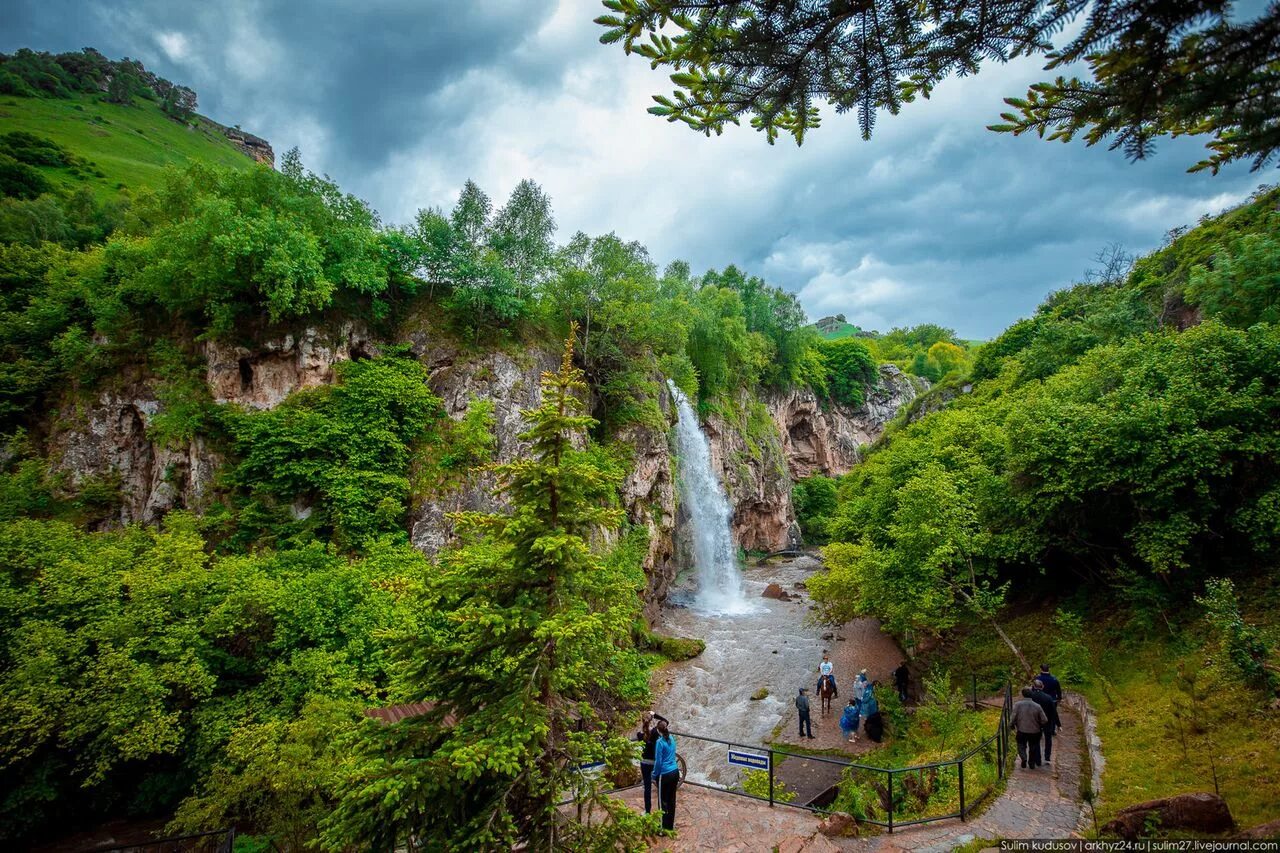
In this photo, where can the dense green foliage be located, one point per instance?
(850, 369)
(130, 658)
(1100, 440)
(814, 500)
(521, 644)
(340, 452)
(48, 75)
(1157, 70)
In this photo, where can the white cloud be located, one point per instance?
(174, 45)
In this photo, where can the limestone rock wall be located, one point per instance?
(107, 437)
(759, 450)
(790, 435)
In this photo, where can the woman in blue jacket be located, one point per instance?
(667, 772)
(849, 720)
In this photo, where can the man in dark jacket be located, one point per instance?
(1028, 721)
(802, 705)
(1045, 701)
(1051, 685)
(901, 680)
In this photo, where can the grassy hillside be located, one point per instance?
(831, 329)
(120, 146)
(1168, 719)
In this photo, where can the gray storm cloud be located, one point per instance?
(934, 220)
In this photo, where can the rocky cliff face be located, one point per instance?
(107, 438)
(792, 435)
(759, 449)
(821, 437)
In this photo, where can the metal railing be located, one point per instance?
(218, 841)
(892, 797)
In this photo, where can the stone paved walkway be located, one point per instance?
(1041, 803)
(861, 645)
(709, 820)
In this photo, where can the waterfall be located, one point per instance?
(715, 555)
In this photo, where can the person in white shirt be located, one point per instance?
(827, 670)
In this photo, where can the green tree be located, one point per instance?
(224, 243)
(470, 217)
(335, 460)
(1242, 286)
(1156, 70)
(851, 369)
(521, 235)
(814, 499)
(520, 646)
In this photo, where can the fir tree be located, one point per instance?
(1158, 68)
(521, 647)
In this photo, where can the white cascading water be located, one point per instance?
(715, 555)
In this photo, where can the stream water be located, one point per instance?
(768, 647)
(753, 643)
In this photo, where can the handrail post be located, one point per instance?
(961, 766)
(889, 773)
(1000, 749)
(975, 690)
(770, 777)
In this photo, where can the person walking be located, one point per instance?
(648, 736)
(849, 720)
(1051, 684)
(901, 680)
(1050, 707)
(802, 706)
(1028, 720)
(667, 772)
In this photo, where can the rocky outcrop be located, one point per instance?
(649, 498)
(512, 384)
(107, 438)
(821, 437)
(262, 377)
(765, 446)
(746, 450)
(254, 147)
(1198, 812)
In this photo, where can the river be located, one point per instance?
(770, 646)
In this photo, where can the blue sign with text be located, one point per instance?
(753, 760)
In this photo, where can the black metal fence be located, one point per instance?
(900, 796)
(219, 841)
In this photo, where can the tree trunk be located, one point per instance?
(1026, 667)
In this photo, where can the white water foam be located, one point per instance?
(715, 555)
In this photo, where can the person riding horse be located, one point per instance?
(826, 672)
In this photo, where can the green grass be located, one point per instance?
(924, 793)
(130, 146)
(840, 330)
(1134, 692)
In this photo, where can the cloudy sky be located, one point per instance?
(934, 220)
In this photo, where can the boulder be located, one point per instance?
(1198, 812)
(1270, 829)
(775, 591)
(838, 824)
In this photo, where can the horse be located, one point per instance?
(826, 690)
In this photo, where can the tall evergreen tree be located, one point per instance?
(521, 649)
(1158, 68)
